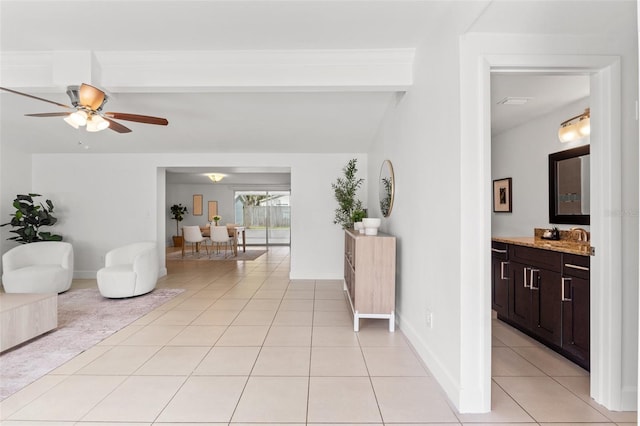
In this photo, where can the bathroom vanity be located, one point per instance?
(541, 287)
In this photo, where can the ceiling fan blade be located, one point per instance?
(114, 125)
(138, 118)
(35, 97)
(49, 114)
(91, 97)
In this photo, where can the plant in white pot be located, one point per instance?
(357, 217)
(345, 189)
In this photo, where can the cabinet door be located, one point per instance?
(500, 286)
(575, 319)
(546, 304)
(519, 295)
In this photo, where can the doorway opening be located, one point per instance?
(266, 216)
(475, 198)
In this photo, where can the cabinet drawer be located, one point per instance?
(545, 259)
(499, 250)
(575, 266)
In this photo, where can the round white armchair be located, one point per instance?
(42, 267)
(129, 271)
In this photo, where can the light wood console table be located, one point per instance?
(370, 276)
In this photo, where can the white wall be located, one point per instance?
(419, 135)
(522, 153)
(106, 200)
(15, 172)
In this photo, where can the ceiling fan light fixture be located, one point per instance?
(71, 122)
(96, 123)
(79, 117)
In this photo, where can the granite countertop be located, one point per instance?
(566, 243)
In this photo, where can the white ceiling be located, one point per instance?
(544, 93)
(239, 119)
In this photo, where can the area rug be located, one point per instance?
(248, 255)
(84, 319)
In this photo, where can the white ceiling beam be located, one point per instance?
(212, 71)
(46, 71)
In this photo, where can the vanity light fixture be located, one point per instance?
(215, 177)
(576, 127)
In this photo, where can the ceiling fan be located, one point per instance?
(88, 102)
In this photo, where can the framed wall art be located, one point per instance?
(213, 210)
(197, 205)
(502, 195)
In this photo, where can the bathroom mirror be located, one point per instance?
(569, 191)
(386, 187)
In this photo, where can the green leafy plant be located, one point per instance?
(385, 203)
(345, 189)
(217, 219)
(29, 217)
(358, 215)
(177, 213)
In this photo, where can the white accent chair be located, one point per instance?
(129, 271)
(42, 267)
(220, 235)
(193, 235)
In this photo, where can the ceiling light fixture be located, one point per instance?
(215, 177)
(576, 127)
(94, 122)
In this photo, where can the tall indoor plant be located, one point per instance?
(29, 218)
(345, 189)
(177, 213)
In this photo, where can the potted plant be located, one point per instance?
(357, 217)
(216, 219)
(29, 217)
(345, 189)
(177, 213)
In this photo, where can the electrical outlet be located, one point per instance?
(429, 319)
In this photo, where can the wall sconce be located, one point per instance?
(576, 127)
(215, 177)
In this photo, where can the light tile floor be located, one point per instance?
(245, 345)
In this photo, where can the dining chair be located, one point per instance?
(193, 235)
(220, 235)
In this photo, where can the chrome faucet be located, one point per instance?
(583, 235)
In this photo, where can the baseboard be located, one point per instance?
(85, 275)
(445, 380)
(629, 398)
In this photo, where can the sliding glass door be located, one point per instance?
(266, 215)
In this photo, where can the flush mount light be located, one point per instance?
(576, 127)
(215, 177)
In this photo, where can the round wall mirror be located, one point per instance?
(386, 188)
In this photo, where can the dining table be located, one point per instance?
(237, 231)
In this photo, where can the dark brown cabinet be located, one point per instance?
(500, 278)
(575, 308)
(545, 294)
(535, 304)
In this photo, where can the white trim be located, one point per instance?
(606, 229)
(476, 65)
